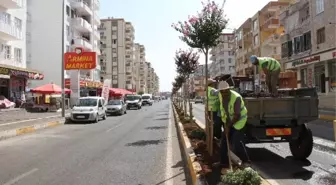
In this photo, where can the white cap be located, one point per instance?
(223, 85)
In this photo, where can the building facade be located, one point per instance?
(223, 60)
(81, 23)
(117, 46)
(14, 74)
(309, 43)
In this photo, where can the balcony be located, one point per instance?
(11, 4)
(96, 34)
(82, 42)
(273, 40)
(82, 25)
(9, 32)
(96, 19)
(271, 23)
(96, 4)
(82, 7)
(10, 61)
(128, 70)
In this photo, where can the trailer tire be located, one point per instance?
(303, 146)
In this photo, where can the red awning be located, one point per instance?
(50, 89)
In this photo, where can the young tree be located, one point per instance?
(203, 31)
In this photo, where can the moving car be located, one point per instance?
(198, 99)
(147, 99)
(91, 108)
(116, 107)
(133, 101)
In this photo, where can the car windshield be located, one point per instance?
(132, 98)
(198, 97)
(114, 102)
(146, 97)
(87, 102)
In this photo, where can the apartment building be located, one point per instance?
(143, 71)
(196, 81)
(259, 35)
(14, 73)
(223, 60)
(117, 46)
(156, 88)
(46, 44)
(150, 78)
(309, 43)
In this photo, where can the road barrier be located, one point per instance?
(335, 133)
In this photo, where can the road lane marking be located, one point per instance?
(114, 127)
(169, 154)
(16, 179)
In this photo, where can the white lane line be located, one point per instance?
(169, 154)
(16, 179)
(109, 130)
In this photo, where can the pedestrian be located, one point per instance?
(213, 108)
(271, 67)
(234, 116)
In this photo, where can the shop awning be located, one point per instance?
(50, 89)
(19, 71)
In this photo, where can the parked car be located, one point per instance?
(133, 101)
(198, 99)
(116, 107)
(91, 108)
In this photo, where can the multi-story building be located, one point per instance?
(156, 89)
(117, 45)
(196, 81)
(259, 35)
(223, 60)
(309, 43)
(150, 78)
(143, 71)
(80, 25)
(14, 73)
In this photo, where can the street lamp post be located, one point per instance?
(62, 70)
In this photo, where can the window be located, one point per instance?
(240, 35)
(114, 59)
(101, 34)
(256, 40)
(255, 25)
(114, 50)
(7, 51)
(290, 48)
(297, 45)
(320, 34)
(18, 23)
(319, 6)
(307, 41)
(115, 77)
(18, 55)
(114, 41)
(67, 49)
(67, 30)
(5, 17)
(275, 50)
(230, 60)
(115, 23)
(284, 50)
(68, 10)
(114, 32)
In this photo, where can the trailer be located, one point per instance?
(282, 118)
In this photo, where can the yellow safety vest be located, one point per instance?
(272, 63)
(213, 101)
(243, 111)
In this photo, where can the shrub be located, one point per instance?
(242, 177)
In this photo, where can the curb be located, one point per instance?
(188, 152)
(29, 129)
(327, 117)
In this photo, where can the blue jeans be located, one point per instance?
(236, 139)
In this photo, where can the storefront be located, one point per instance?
(13, 80)
(316, 71)
(86, 87)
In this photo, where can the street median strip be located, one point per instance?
(29, 129)
(193, 166)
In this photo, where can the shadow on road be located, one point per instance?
(156, 128)
(179, 164)
(146, 142)
(278, 167)
(161, 119)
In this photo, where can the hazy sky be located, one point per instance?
(152, 21)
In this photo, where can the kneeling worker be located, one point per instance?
(234, 115)
(271, 68)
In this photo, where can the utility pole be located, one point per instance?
(62, 70)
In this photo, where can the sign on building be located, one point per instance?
(80, 60)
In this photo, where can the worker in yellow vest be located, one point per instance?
(271, 68)
(234, 115)
(213, 107)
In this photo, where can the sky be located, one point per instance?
(152, 21)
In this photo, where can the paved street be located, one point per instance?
(139, 148)
(275, 160)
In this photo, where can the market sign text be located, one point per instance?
(79, 60)
(305, 61)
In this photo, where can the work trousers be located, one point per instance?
(236, 139)
(217, 124)
(272, 80)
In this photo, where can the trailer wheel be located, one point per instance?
(302, 147)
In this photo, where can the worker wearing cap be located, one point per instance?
(213, 107)
(234, 115)
(271, 68)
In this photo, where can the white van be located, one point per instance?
(91, 108)
(147, 99)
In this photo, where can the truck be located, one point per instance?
(280, 119)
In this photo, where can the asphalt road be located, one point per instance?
(139, 148)
(276, 162)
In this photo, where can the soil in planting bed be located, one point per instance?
(212, 174)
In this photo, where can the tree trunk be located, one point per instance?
(208, 122)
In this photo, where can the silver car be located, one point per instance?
(116, 107)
